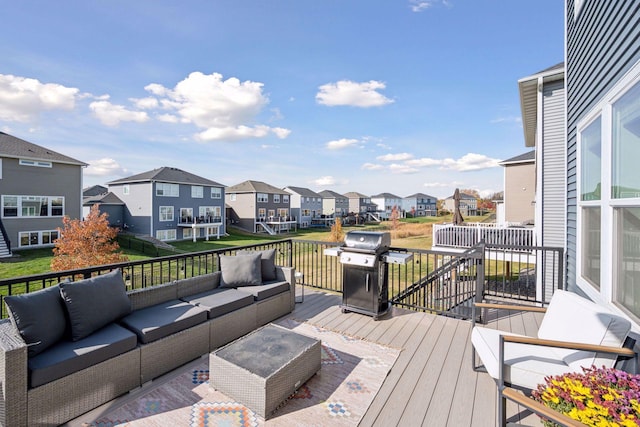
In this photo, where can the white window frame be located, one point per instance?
(232, 197)
(604, 108)
(285, 198)
(168, 215)
(187, 233)
(165, 189)
(166, 235)
(197, 191)
(40, 235)
(216, 193)
(189, 212)
(20, 208)
(126, 189)
(276, 198)
(262, 197)
(35, 163)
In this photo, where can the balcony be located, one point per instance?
(432, 381)
(468, 235)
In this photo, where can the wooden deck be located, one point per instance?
(432, 383)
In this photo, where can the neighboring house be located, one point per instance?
(334, 204)
(94, 190)
(258, 207)
(361, 204)
(542, 101)
(603, 148)
(519, 190)
(306, 205)
(108, 203)
(420, 204)
(171, 204)
(38, 186)
(468, 204)
(385, 203)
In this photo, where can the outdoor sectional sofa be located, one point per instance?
(69, 348)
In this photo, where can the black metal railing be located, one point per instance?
(433, 281)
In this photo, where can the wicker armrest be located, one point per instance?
(539, 408)
(287, 274)
(620, 351)
(13, 376)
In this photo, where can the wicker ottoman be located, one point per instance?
(263, 368)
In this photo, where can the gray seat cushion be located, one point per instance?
(220, 301)
(40, 318)
(95, 302)
(266, 290)
(161, 320)
(67, 357)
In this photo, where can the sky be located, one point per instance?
(375, 96)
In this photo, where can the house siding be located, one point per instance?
(60, 180)
(519, 192)
(138, 209)
(602, 45)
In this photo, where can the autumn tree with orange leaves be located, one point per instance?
(86, 243)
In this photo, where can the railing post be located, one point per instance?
(480, 272)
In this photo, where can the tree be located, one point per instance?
(86, 243)
(395, 215)
(336, 235)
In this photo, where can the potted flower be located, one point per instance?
(595, 397)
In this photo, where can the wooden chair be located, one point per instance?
(574, 333)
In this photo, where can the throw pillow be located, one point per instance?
(240, 270)
(268, 263)
(95, 302)
(39, 317)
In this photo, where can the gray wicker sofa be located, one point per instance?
(157, 329)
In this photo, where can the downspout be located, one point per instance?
(152, 208)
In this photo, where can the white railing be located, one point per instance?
(468, 235)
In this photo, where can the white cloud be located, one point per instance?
(145, 103)
(395, 157)
(372, 167)
(422, 5)
(468, 162)
(225, 109)
(509, 119)
(346, 92)
(442, 184)
(23, 99)
(167, 118)
(324, 180)
(104, 167)
(111, 114)
(403, 169)
(339, 144)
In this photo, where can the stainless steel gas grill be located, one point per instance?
(365, 257)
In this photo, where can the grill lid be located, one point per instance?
(367, 240)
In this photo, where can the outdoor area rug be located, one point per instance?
(351, 374)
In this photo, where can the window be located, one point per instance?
(285, 198)
(262, 198)
(608, 240)
(306, 212)
(126, 189)
(283, 212)
(37, 238)
(36, 163)
(166, 234)
(197, 192)
(167, 190)
(209, 213)
(187, 233)
(276, 198)
(186, 215)
(232, 197)
(262, 213)
(166, 213)
(32, 206)
(216, 193)
(271, 213)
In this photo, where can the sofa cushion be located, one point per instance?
(221, 301)
(67, 357)
(39, 317)
(161, 320)
(265, 291)
(197, 284)
(267, 263)
(240, 270)
(95, 302)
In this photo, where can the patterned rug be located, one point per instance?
(351, 374)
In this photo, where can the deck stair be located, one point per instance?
(267, 228)
(4, 249)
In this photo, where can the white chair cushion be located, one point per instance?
(527, 365)
(572, 318)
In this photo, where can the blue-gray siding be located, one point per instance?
(602, 45)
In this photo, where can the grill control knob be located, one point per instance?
(366, 261)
